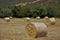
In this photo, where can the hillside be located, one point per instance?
(11, 2)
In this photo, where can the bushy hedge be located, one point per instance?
(33, 11)
(4, 12)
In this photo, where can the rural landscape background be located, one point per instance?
(30, 8)
(19, 10)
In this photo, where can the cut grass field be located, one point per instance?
(15, 30)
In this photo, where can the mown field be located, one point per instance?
(15, 30)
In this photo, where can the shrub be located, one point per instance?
(5, 12)
(50, 12)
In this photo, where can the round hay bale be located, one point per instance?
(38, 17)
(10, 17)
(52, 20)
(27, 18)
(36, 29)
(7, 19)
(46, 17)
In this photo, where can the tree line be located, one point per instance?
(32, 12)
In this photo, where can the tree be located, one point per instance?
(16, 11)
(5, 12)
(50, 12)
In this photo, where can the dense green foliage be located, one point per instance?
(33, 11)
(5, 12)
